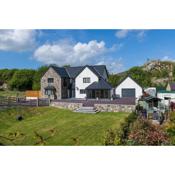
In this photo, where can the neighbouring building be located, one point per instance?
(170, 86)
(128, 87)
(151, 103)
(167, 95)
(151, 91)
(76, 82)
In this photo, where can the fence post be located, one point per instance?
(37, 102)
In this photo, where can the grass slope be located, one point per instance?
(52, 126)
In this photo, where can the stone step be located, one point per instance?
(84, 109)
(87, 107)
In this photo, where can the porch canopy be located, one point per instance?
(50, 90)
(100, 89)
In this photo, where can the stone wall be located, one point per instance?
(114, 107)
(99, 107)
(66, 105)
(57, 83)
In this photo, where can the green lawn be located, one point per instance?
(53, 126)
(8, 93)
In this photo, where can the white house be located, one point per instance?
(83, 80)
(76, 82)
(129, 88)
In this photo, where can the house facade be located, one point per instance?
(76, 82)
(129, 88)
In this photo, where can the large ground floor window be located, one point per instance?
(102, 93)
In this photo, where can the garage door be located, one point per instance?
(128, 92)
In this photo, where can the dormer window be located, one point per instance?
(86, 80)
(50, 80)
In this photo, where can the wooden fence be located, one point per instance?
(36, 94)
(14, 101)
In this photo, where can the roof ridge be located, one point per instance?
(67, 71)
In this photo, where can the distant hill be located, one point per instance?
(153, 73)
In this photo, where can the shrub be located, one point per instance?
(143, 132)
(119, 136)
(170, 128)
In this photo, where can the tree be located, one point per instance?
(7, 74)
(22, 79)
(114, 79)
(141, 76)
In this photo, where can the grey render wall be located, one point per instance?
(57, 83)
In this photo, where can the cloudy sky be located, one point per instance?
(118, 49)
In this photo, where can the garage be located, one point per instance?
(128, 92)
(128, 87)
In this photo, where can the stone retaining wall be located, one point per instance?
(67, 105)
(99, 107)
(114, 107)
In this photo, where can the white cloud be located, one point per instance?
(66, 52)
(122, 33)
(140, 34)
(167, 58)
(113, 65)
(17, 40)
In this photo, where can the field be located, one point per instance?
(52, 126)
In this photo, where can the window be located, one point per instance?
(82, 91)
(50, 80)
(86, 80)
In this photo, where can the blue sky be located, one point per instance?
(118, 49)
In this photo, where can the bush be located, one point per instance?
(22, 80)
(119, 136)
(170, 128)
(143, 132)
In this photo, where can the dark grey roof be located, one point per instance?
(100, 69)
(61, 71)
(95, 71)
(101, 84)
(150, 98)
(72, 72)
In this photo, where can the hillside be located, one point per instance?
(152, 73)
